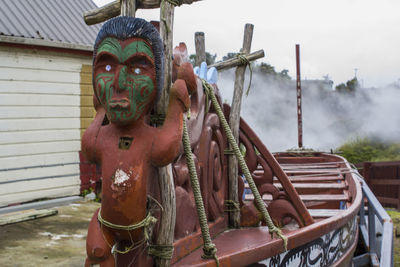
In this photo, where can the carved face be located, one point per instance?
(124, 78)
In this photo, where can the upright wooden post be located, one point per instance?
(128, 8)
(165, 176)
(298, 90)
(234, 120)
(200, 48)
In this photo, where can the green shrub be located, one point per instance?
(366, 149)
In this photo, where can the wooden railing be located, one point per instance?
(384, 180)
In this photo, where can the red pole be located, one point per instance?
(298, 89)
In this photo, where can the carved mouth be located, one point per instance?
(122, 103)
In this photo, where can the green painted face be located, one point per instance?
(124, 78)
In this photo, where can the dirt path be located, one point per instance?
(52, 241)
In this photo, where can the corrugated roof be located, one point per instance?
(51, 20)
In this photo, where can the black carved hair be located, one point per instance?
(123, 28)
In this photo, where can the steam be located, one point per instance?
(329, 118)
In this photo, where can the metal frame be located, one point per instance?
(375, 256)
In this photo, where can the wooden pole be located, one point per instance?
(298, 92)
(165, 176)
(113, 9)
(234, 120)
(128, 8)
(200, 48)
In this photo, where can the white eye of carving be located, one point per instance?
(137, 71)
(108, 68)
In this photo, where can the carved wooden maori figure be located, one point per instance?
(127, 79)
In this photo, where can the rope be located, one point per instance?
(161, 251)
(257, 198)
(209, 249)
(243, 59)
(149, 220)
(232, 205)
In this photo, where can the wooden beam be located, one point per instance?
(234, 62)
(25, 215)
(200, 48)
(165, 176)
(113, 9)
(234, 120)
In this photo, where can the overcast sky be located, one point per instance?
(335, 36)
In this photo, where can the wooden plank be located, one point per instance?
(86, 90)
(314, 178)
(388, 200)
(71, 168)
(29, 99)
(25, 215)
(39, 136)
(385, 181)
(27, 87)
(88, 112)
(38, 160)
(323, 213)
(42, 60)
(15, 74)
(319, 197)
(85, 122)
(39, 124)
(34, 112)
(315, 186)
(234, 62)
(39, 148)
(39, 194)
(36, 185)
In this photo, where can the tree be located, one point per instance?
(350, 87)
(210, 58)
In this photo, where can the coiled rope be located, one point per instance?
(209, 249)
(257, 198)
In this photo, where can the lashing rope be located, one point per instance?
(209, 249)
(257, 198)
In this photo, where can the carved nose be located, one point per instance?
(120, 79)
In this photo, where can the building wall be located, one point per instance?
(40, 123)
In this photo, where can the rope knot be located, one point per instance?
(232, 205)
(243, 59)
(210, 252)
(278, 232)
(175, 2)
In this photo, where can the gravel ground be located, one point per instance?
(58, 240)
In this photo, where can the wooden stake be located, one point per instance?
(200, 48)
(234, 120)
(128, 8)
(165, 176)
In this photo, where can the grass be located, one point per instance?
(395, 215)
